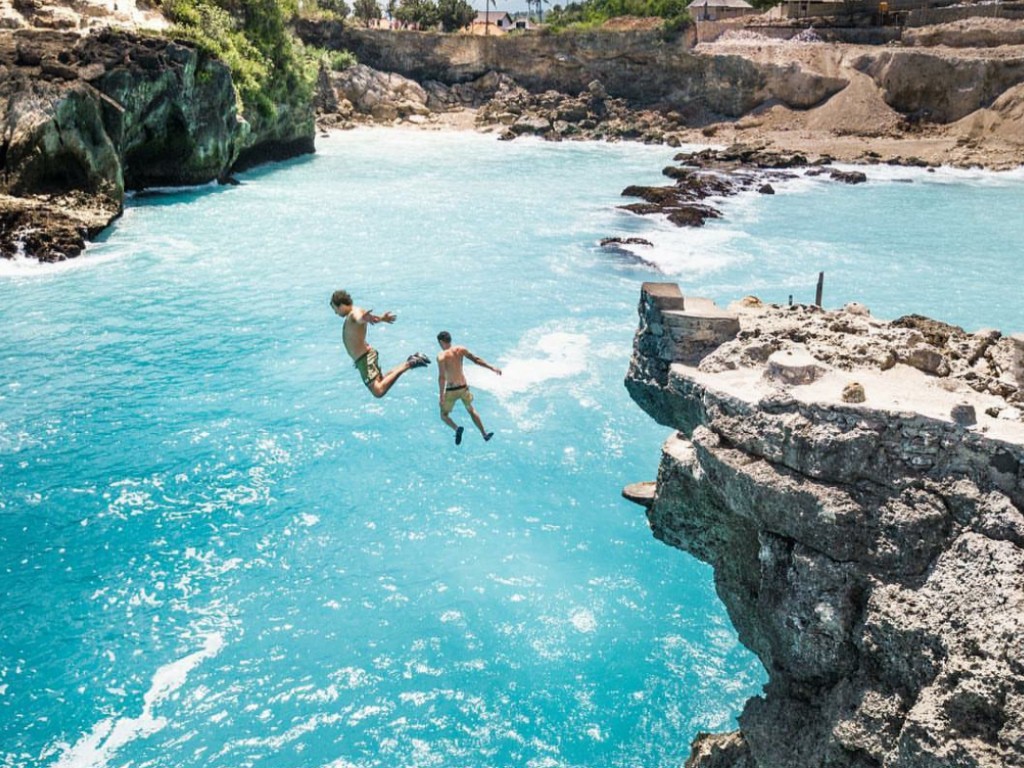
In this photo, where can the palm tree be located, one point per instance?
(540, 9)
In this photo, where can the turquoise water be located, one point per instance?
(217, 549)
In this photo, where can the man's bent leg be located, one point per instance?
(380, 386)
(447, 419)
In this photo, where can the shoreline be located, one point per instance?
(933, 148)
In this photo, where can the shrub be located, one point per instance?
(366, 11)
(423, 13)
(455, 14)
(592, 13)
(251, 37)
(336, 61)
(338, 8)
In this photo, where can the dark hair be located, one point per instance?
(444, 337)
(339, 298)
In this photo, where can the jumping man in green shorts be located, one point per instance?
(453, 386)
(365, 356)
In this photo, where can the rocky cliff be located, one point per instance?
(858, 487)
(83, 118)
(949, 93)
(640, 66)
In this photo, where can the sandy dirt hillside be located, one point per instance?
(857, 123)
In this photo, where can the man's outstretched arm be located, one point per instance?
(366, 317)
(482, 363)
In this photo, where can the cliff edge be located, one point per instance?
(858, 487)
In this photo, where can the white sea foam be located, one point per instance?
(583, 620)
(98, 747)
(539, 359)
(22, 266)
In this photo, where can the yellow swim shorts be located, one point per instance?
(453, 395)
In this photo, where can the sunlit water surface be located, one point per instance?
(216, 549)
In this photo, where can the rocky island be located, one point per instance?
(857, 486)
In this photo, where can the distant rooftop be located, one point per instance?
(720, 4)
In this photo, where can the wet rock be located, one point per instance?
(715, 173)
(848, 177)
(606, 241)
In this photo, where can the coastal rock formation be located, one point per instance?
(717, 173)
(930, 96)
(83, 118)
(381, 96)
(941, 89)
(858, 487)
(641, 66)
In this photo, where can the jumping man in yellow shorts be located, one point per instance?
(453, 387)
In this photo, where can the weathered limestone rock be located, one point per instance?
(794, 365)
(639, 65)
(854, 393)
(384, 96)
(939, 88)
(870, 550)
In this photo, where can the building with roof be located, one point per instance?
(716, 10)
(492, 22)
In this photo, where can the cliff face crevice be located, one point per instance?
(857, 487)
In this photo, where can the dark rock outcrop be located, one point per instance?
(85, 118)
(714, 173)
(869, 549)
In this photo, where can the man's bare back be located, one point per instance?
(449, 362)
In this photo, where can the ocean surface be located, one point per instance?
(217, 549)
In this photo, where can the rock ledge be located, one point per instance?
(857, 486)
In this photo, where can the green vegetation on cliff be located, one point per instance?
(593, 13)
(451, 15)
(252, 37)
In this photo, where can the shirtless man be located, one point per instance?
(453, 387)
(365, 356)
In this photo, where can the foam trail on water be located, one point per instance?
(539, 360)
(558, 355)
(96, 748)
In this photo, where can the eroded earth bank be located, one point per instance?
(858, 487)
